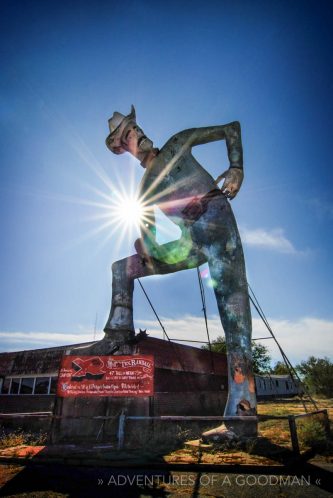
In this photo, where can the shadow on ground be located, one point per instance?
(52, 481)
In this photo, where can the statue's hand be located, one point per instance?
(140, 248)
(233, 179)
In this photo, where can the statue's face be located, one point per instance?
(134, 140)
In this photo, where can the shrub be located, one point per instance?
(312, 433)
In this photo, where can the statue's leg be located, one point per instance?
(233, 303)
(120, 327)
(123, 273)
(227, 269)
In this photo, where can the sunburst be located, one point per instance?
(128, 211)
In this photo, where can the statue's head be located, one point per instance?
(126, 136)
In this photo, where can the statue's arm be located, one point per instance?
(231, 133)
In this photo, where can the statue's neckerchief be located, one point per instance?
(149, 157)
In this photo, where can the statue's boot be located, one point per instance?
(115, 342)
(219, 434)
(233, 431)
(246, 426)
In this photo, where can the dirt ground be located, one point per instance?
(44, 481)
(254, 468)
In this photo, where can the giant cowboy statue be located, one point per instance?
(175, 182)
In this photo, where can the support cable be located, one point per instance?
(162, 327)
(155, 313)
(293, 374)
(292, 371)
(204, 309)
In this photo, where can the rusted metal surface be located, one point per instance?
(167, 355)
(170, 355)
(6, 363)
(195, 391)
(37, 361)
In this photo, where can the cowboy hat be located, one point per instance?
(117, 124)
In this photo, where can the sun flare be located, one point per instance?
(116, 211)
(128, 210)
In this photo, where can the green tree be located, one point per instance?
(260, 355)
(218, 345)
(261, 358)
(317, 374)
(280, 368)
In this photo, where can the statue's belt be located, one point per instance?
(198, 206)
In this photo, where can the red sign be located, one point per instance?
(106, 376)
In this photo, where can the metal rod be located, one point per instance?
(121, 430)
(22, 415)
(192, 418)
(167, 417)
(189, 340)
(308, 414)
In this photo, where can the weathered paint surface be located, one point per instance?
(34, 362)
(187, 194)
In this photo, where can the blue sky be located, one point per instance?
(67, 66)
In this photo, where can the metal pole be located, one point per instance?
(293, 434)
(121, 430)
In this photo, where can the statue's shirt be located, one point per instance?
(174, 178)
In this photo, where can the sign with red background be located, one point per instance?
(106, 376)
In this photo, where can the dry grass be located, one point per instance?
(294, 407)
(310, 431)
(168, 440)
(274, 438)
(19, 437)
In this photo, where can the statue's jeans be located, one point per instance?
(214, 239)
